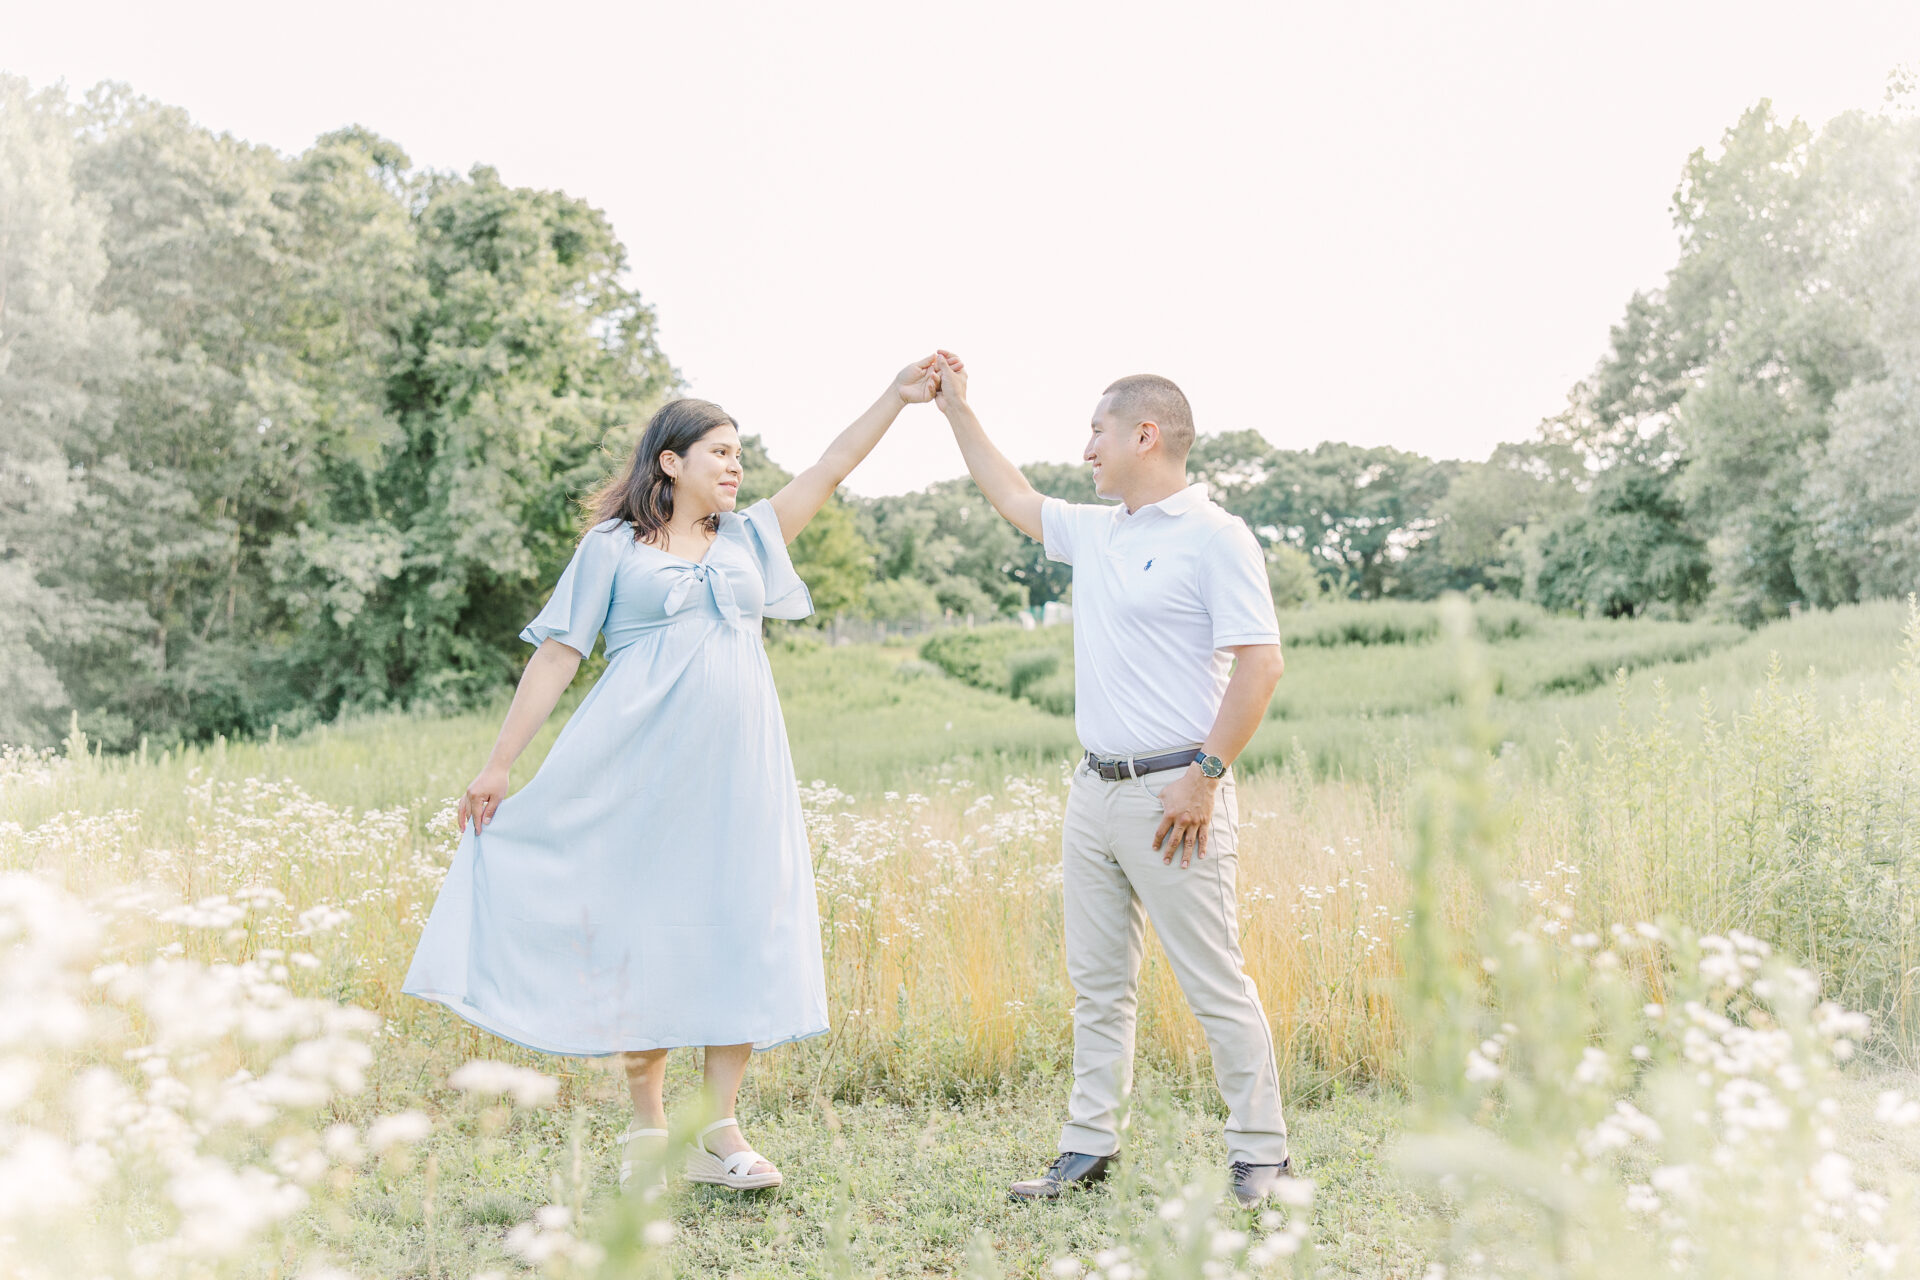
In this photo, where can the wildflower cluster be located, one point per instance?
(191, 1088)
(1637, 1098)
(1696, 1135)
(169, 1066)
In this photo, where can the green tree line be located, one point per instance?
(286, 435)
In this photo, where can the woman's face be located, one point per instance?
(706, 478)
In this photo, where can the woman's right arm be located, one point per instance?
(548, 673)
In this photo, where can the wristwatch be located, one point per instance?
(1212, 766)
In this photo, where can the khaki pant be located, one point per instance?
(1115, 881)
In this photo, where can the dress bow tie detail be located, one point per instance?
(718, 588)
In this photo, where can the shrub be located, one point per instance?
(900, 600)
(1291, 575)
(1028, 666)
(1053, 693)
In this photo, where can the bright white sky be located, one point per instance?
(1390, 224)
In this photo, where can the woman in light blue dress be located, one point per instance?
(651, 886)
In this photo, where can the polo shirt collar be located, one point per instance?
(1174, 504)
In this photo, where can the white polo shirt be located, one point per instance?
(1157, 594)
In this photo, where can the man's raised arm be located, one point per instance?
(998, 478)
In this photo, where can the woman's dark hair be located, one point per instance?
(642, 492)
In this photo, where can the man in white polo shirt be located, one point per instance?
(1176, 655)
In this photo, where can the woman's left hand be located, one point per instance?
(917, 383)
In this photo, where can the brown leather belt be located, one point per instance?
(1114, 768)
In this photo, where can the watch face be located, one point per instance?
(1212, 766)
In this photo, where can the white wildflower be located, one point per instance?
(1594, 1068)
(1228, 1242)
(223, 1209)
(1281, 1244)
(1626, 1125)
(1832, 1177)
(403, 1127)
(1295, 1193)
(342, 1142)
(487, 1078)
(1896, 1109)
(18, 1076)
(322, 918)
(1679, 1181)
(299, 1159)
(38, 1175)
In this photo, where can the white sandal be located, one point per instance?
(659, 1183)
(727, 1171)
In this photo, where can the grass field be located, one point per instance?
(1503, 907)
(1369, 687)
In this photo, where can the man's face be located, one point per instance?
(1110, 450)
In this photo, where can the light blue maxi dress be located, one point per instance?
(651, 886)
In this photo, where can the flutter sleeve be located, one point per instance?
(578, 607)
(787, 595)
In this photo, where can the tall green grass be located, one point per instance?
(1840, 655)
(1367, 693)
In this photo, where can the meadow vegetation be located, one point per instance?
(1369, 687)
(1647, 997)
(1586, 920)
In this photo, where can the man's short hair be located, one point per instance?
(1148, 397)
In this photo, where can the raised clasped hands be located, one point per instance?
(941, 378)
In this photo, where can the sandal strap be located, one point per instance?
(740, 1162)
(719, 1124)
(631, 1134)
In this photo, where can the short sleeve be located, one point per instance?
(787, 595)
(1061, 523)
(578, 607)
(1234, 586)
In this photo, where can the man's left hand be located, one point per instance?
(1187, 804)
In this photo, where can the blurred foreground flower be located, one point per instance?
(489, 1079)
(175, 1099)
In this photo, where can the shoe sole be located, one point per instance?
(711, 1170)
(1061, 1194)
(748, 1182)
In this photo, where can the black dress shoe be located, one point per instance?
(1071, 1169)
(1253, 1183)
